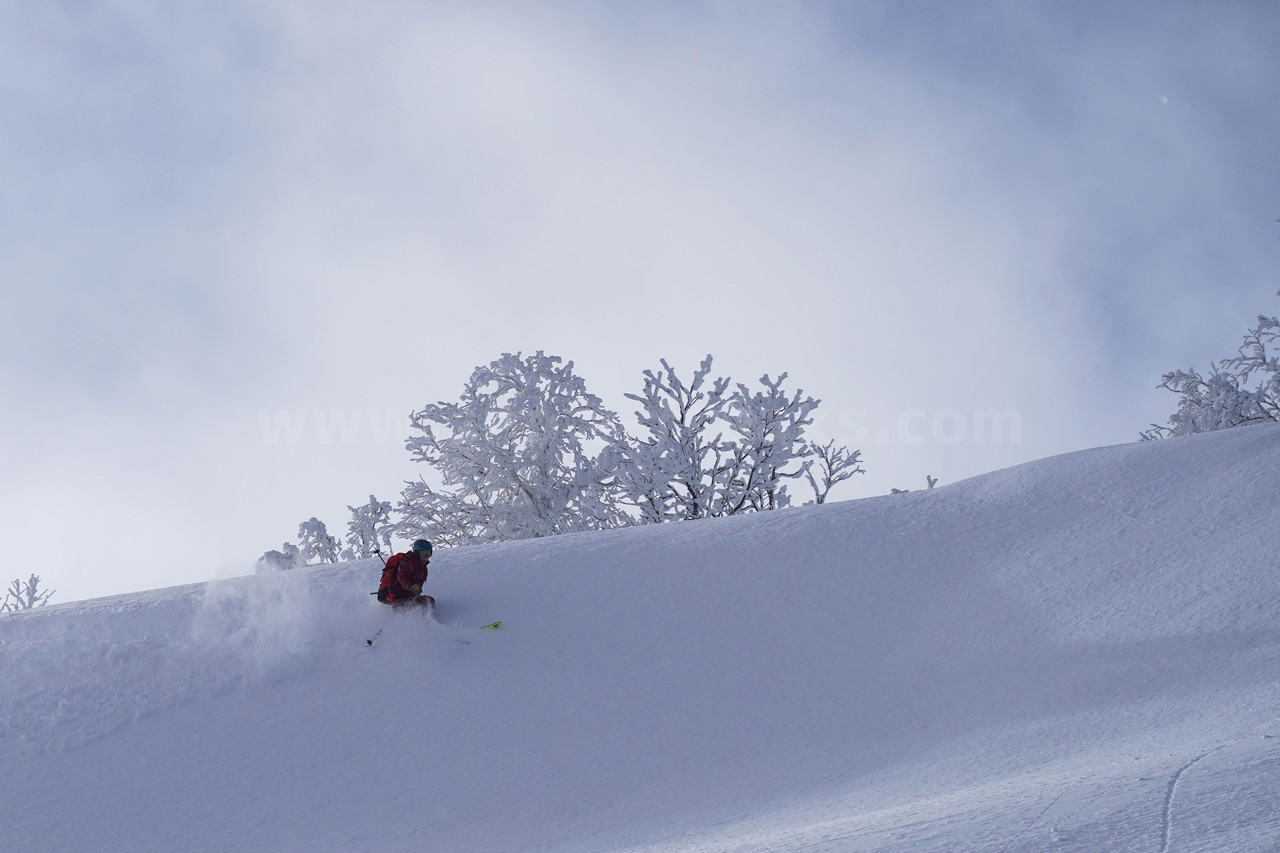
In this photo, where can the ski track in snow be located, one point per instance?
(1241, 779)
(1166, 817)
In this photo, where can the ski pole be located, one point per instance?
(369, 642)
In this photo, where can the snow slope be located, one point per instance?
(1078, 654)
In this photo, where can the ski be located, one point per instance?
(492, 626)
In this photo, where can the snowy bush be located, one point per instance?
(315, 543)
(769, 426)
(930, 482)
(705, 451)
(369, 529)
(517, 456)
(25, 596)
(1223, 398)
(527, 452)
(289, 557)
(675, 469)
(832, 465)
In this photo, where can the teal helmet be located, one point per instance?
(422, 545)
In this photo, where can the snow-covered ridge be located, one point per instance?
(1081, 652)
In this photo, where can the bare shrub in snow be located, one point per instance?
(930, 482)
(1222, 398)
(25, 595)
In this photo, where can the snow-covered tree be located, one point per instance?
(832, 465)
(520, 455)
(25, 596)
(315, 543)
(288, 557)
(1223, 398)
(770, 427)
(1253, 359)
(706, 452)
(527, 451)
(369, 529)
(675, 469)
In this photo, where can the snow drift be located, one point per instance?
(1081, 652)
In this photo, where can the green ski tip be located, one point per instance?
(491, 627)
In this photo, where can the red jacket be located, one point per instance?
(408, 570)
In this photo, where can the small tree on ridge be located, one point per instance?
(25, 596)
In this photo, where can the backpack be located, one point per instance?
(388, 577)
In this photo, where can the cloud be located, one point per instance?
(228, 212)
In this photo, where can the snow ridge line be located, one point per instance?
(1166, 828)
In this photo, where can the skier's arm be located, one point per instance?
(407, 574)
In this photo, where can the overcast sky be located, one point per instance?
(217, 219)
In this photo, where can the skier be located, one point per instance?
(404, 576)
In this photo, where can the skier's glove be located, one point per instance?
(416, 589)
